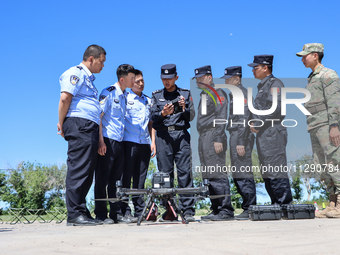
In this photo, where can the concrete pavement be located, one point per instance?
(317, 236)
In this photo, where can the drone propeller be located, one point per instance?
(203, 197)
(116, 199)
(218, 196)
(109, 199)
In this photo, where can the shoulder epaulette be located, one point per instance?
(111, 88)
(185, 89)
(157, 91)
(272, 79)
(80, 67)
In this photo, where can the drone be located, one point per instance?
(161, 190)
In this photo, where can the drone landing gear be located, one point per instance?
(170, 213)
(153, 213)
(150, 210)
(184, 221)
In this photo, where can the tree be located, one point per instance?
(35, 186)
(151, 170)
(296, 186)
(256, 166)
(311, 175)
(2, 183)
(301, 170)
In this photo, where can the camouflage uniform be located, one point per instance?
(324, 105)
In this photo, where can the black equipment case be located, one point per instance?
(302, 211)
(265, 212)
(161, 180)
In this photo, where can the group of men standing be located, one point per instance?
(271, 139)
(110, 137)
(105, 137)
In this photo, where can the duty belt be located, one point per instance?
(317, 108)
(172, 128)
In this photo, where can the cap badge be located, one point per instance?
(226, 72)
(166, 71)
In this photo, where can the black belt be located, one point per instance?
(171, 128)
(318, 108)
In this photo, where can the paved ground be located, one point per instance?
(317, 236)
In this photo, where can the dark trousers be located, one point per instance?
(271, 147)
(243, 177)
(218, 180)
(82, 136)
(137, 158)
(174, 146)
(109, 170)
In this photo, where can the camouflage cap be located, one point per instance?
(309, 48)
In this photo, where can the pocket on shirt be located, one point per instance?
(131, 111)
(116, 109)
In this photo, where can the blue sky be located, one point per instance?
(41, 39)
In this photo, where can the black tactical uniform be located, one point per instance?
(216, 108)
(240, 135)
(172, 137)
(271, 140)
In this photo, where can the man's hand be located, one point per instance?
(252, 129)
(60, 130)
(240, 150)
(153, 150)
(167, 109)
(182, 102)
(334, 135)
(64, 105)
(218, 147)
(101, 147)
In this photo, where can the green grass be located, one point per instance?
(45, 217)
